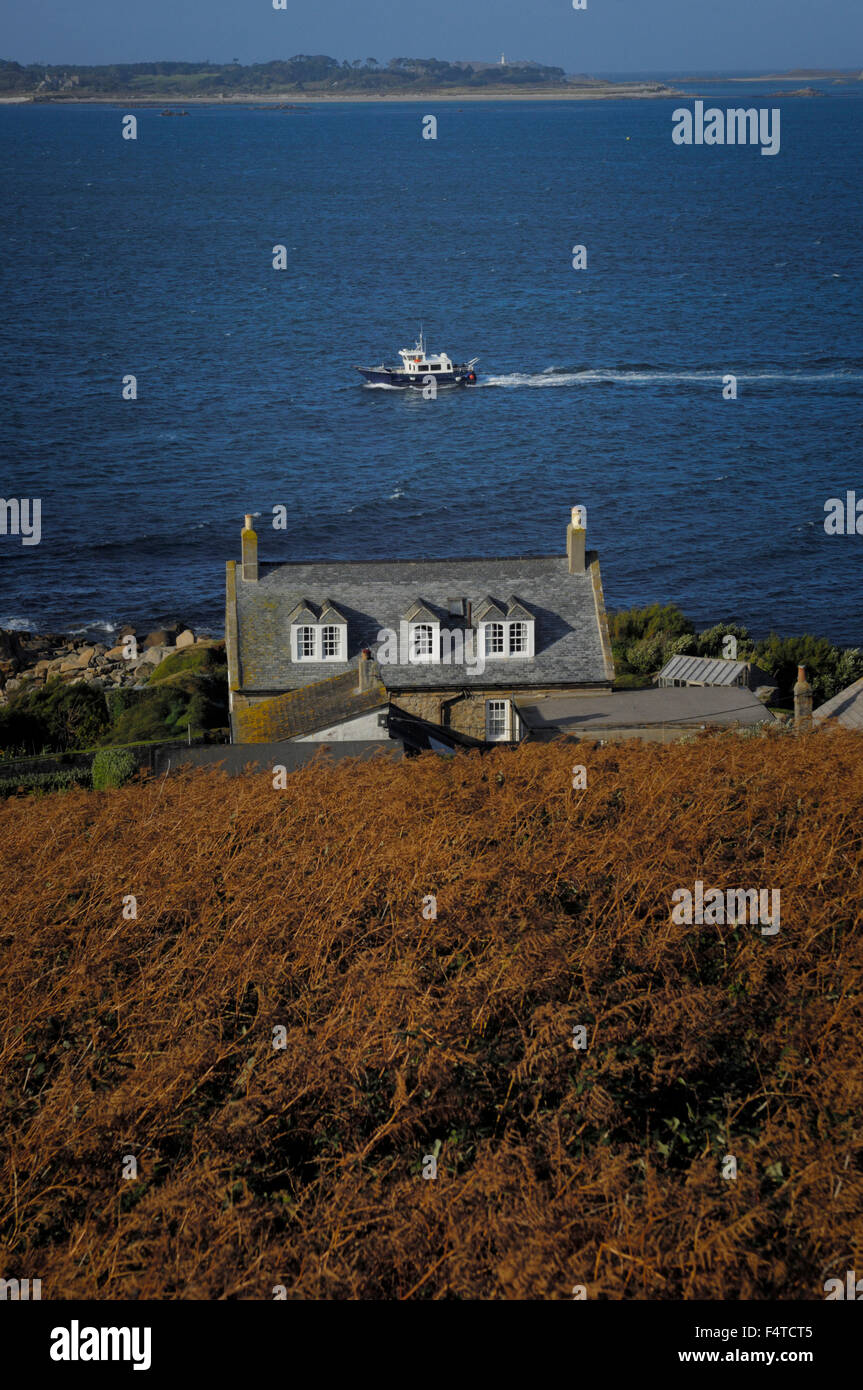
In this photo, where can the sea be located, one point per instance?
(604, 386)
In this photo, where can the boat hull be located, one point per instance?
(391, 376)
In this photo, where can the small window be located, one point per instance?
(497, 720)
(423, 640)
(305, 644)
(517, 639)
(494, 639)
(435, 366)
(330, 642)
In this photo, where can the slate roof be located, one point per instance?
(306, 709)
(846, 707)
(571, 644)
(705, 669)
(487, 611)
(628, 709)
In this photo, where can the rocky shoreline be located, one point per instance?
(28, 660)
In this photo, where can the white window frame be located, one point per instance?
(528, 632)
(492, 710)
(338, 632)
(495, 631)
(302, 631)
(433, 652)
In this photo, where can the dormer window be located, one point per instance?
(423, 633)
(318, 635)
(422, 641)
(505, 632)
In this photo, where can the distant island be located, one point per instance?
(837, 76)
(305, 78)
(800, 92)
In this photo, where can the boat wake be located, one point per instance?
(644, 377)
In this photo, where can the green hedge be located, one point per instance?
(59, 781)
(112, 767)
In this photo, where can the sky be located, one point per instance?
(663, 36)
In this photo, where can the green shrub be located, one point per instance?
(710, 643)
(59, 781)
(167, 709)
(197, 659)
(112, 767)
(52, 718)
(829, 669)
(120, 699)
(642, 639)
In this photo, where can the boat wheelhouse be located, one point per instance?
(420, 368)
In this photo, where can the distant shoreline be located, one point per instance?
(613, 92)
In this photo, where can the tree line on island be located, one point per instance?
(302, 74)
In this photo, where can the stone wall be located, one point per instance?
(464, 711)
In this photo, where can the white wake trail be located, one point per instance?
(645, 378)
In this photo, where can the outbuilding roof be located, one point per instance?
(634, 709)
(703, 670)
(846, 707)
(306, 710)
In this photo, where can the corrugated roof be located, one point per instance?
(704, 669)
(846, 707)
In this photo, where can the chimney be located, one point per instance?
(365, 670)
(249, 551)
(575, 537)
(802, 703)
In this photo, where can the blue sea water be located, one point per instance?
(600, 386)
